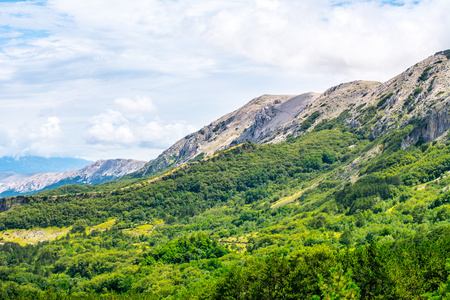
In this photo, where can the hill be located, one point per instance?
(346, 198)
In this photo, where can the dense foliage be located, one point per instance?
(186, 249)
(315, 217)
(244, 175)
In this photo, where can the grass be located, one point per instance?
(103, 226)
(140, 230)
(36, 235)
(33, 236)
(289, 199)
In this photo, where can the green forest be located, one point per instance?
(329, 214)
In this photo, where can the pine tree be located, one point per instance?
(340, 287)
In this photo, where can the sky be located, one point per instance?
(100, 79)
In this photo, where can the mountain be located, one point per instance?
(256, 120)
(98, 172)
(421, 93)
(339, 195)
(37, 164)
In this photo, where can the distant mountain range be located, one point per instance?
(98, 172)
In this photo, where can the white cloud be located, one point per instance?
(161, 135)
(44, 137)
(50, 130)
(5, 142)
(47, 131)
(115, 129)
(96, 38)
(189, 38)
(191, 57)
(316, 37)
(110, 128)
(141, 104)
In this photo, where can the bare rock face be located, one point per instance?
(420, 96)
(270, 119)
(98, 172)
(432, 127)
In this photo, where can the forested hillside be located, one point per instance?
(332, 213)
(250, 222)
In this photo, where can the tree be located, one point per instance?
(346, 237)
(443, 292)
(79, 226)
(340, 287)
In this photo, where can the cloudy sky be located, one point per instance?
(114, 78)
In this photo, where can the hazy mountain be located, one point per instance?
(98, 172)
(422, 92)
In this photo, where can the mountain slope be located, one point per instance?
(420, 94)
(100, 171)
(255, 120)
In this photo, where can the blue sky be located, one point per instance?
(112, 78)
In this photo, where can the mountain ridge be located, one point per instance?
(219, 134)
(419, 93)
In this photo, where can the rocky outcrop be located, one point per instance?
(430, 129)
(271, 118)
(98, 172)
